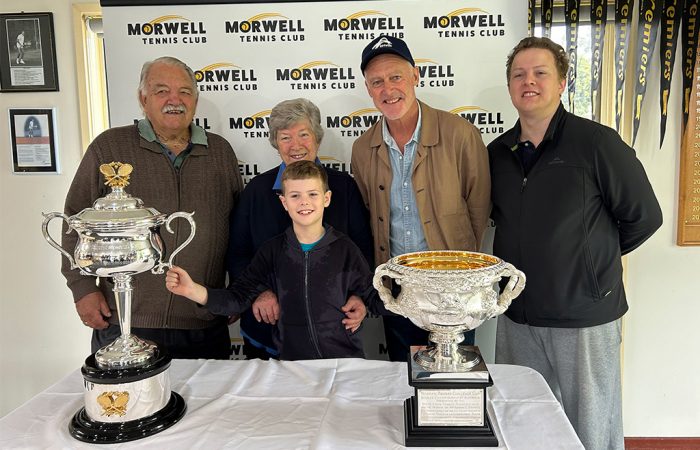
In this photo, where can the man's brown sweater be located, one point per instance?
(208, 184)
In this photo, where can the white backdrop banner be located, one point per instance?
(248, 57)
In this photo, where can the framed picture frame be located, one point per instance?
(33, 140)
(27, 53)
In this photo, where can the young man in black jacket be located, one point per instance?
(569, 199)
(313, 270)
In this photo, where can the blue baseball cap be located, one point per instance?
(385, 44)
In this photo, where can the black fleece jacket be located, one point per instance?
(585, 202)
(311, 287)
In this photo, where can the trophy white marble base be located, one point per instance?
(126, 404)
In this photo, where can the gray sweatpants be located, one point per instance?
(581, 366)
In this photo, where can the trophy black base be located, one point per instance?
(135, 402)
(445, 436)
(85, 429)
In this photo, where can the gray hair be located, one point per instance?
(289, 112)
(168, 60)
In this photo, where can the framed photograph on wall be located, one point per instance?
(33, 140)
(27, 53)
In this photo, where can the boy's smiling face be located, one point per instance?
(305, 200)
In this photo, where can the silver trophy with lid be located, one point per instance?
(448, 293)
(127, 386)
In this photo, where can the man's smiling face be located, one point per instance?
(170, 99)
(391, 82)
(534, 84)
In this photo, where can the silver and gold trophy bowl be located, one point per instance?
(127, 386)
(447, 293)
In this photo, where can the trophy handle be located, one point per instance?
(515, 286)
(45, 230)
(160, 268)
(385, 293)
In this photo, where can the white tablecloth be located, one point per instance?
(324, 404)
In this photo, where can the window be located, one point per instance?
(582, 96)
(92, 85)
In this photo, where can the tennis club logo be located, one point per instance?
(466, 22)
(168, 29)
(488, 122)
(267, 27)
(225, 76)
(317, 75)
(434, 74)
(364, 25)
(252, 124)
(334, 163)
(248, 171)
(355, 123)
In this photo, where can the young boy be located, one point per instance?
(312, 269)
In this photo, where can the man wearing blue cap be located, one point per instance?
(423, 174)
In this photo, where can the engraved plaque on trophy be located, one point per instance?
(127, 387)
(448, 293)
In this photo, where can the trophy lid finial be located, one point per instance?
(116, 174)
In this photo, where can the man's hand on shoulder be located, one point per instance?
(93, 310)
(266, 308)
(355, 312)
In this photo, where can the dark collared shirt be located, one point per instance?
(197, 136)
(526, 151)
(528, 155)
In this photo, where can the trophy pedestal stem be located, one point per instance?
(445, 354)
(122, 294)
(128, 350)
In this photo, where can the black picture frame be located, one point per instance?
(33, 140)
(27, 53)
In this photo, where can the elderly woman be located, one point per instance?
(296, 133)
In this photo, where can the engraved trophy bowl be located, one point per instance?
(119, 238)
(447, 293)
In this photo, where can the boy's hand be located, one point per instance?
(355, 311)
(178, 281)
(266, 308)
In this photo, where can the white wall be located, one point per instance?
(661, 395)
(41, 338)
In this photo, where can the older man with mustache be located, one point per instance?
(177, 167)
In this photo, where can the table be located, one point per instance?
(321, 404)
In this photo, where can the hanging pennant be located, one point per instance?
(623, 17)
(571, 18)
(530, 17)
(649, 16)
(689, 33)
(547, 9)
(599, 15)
(670, 23)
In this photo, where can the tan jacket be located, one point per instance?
(451, 182)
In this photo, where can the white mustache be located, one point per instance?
(175, 108)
